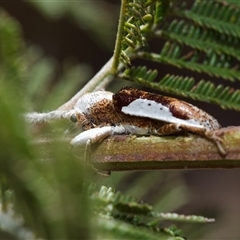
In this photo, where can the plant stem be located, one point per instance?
(131, 153)
(102, 79)
(120, 153)
(117, 49)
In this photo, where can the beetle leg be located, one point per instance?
(217, 140)
(91, 136)
(175, 128)
(88, 138)
(95, 135)
(167, 129)
(211, 135)
(87, 156)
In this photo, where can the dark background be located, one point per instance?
(212, 193)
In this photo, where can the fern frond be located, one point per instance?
(134, 18)
(214, 15)
(122, 203)
(233, 3)
(226, 97)
(124, 206)
(141, 73)
(183, 218)
(204, 40)
(137, 19)
(200, 38)
(111, 229)
(213, 65)
(161, 9)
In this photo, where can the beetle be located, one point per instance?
(134, 111)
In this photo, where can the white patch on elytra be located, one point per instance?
(151, 109)
(87, 101)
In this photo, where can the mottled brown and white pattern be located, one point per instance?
(163, 108)
(133, 111)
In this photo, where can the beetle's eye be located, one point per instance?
(73, 118)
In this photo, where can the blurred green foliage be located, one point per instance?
(44, 196)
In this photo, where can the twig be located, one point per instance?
(126, 152)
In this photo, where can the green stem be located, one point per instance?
(117, 49)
